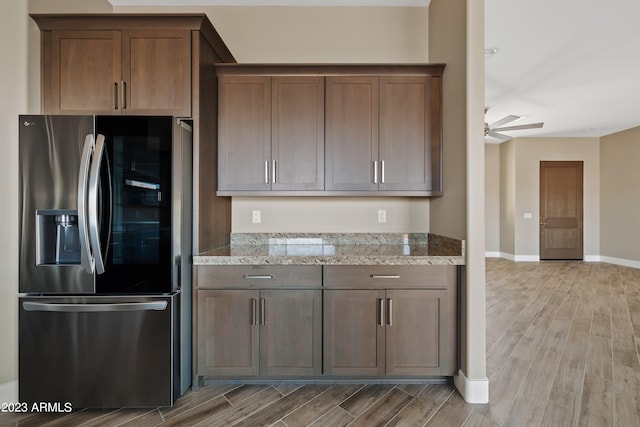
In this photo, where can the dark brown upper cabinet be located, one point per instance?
(350, 130)
(271, 133)
(352, 133)
(383, 134)
(121, 64)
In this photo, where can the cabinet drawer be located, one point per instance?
(389, 276)
(259, 276)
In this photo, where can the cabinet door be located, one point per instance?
(405, 149)
(297, 142)
(351, 133)
(290, 332)
(244, 133)
(228, 332)
(354, 337)
(81, 72)
(156, 72)
(418, 333)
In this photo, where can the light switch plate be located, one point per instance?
(528, 215)
(382, 215)
(255, 217)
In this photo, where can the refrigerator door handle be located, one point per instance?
(93, 196)
(94, 308)
(86, 256)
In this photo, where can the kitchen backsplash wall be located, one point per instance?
(330, 214)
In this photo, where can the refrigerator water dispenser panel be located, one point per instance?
(58, 237)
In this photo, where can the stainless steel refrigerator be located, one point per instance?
(105, 250)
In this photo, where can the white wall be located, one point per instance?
(316, 34)
(492, 199)
(507, 198)
(331, 214)
(520, 192)
(620, 198)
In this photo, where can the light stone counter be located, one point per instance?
(336, 249)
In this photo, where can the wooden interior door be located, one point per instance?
(561, 210)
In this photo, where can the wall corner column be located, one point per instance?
(472, 381)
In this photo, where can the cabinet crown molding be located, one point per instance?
(137, 21)
(363, 69)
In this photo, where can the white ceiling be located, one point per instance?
(572, 64)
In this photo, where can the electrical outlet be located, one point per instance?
(382, 215)
(255, 217)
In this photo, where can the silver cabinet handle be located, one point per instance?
(115, 95)
(381, 304)
(86, 258)
(262, 311)
(273, 171)
(258, 276)
(266, 171)
(94, 308)
(375, 171)
(254, 308)
(385, 276)
(390, 314)
(382, 171)
(124, 94)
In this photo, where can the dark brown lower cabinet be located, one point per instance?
(259, 332)
(353, 334)
(393, 332)
(227, 332)
(291, 332)
(417, 332)
(310, 322)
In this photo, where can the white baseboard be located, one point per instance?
(527, 258)
(503, 255)
(620, 261)
(587, 258)
(512, 257)
(9, 392)
(472, 390)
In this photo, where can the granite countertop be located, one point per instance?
(336, 249)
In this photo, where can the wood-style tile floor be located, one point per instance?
(562, 350)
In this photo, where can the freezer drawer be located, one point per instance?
(99, 352)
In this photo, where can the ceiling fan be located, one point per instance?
(493, 130)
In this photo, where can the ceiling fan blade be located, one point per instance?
(504, 121)
(520, 127)
(499, 136)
